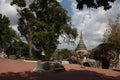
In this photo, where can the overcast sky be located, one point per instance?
(92, 22)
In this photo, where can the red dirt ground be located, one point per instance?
(20, 70)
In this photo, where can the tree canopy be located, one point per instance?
(47, 21)
(7, 34)
(94, 4)
(63, 54)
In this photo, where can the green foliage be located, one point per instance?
(7, 34)
(20, 3)
(20, 48)
(63, 53)
(94, 4)
(52, 21)
(30, 20)
(47, 21)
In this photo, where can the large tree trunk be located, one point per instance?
(30, 42)
(29, 37)
(29, 32)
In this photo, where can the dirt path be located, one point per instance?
(20, 70)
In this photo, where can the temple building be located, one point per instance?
(81, 49)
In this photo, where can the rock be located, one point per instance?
(48, 66)
(39, 67)
(65, 62)
(58, 67)
(2, 54)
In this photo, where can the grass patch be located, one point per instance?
(32, 59)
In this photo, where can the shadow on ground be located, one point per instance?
(66, 75)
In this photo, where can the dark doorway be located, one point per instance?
(105, 63)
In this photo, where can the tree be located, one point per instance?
(24, 22)
(62, 54)
(54, 22)
(47, 20)
(112, 33)
(20, 48)
(94, 4)
(65, 53)
(7, 34)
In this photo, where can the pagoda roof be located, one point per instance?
(81, 45)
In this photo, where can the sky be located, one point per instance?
(92, 22)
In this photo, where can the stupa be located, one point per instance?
(81, 49)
